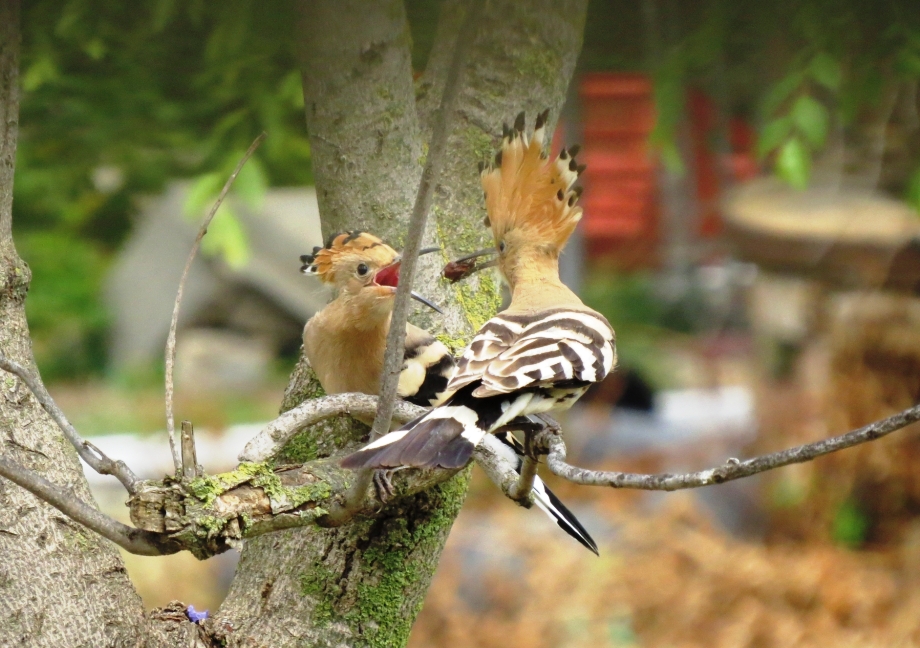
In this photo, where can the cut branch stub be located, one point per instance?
(210, 514)
(190, 467)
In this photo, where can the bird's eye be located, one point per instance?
(362, 269)
(501, 246)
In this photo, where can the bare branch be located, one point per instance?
(171, 338)
(431, 174)
(209, 514)
(521, 491)
(143, 543)
(93, 456)
(731, 469)
(273, 437)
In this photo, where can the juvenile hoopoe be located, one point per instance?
(346, 341)
(540, 354)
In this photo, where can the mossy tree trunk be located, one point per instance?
(361, 584)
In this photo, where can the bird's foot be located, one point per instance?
(383, 485)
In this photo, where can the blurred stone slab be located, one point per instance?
(141, 286)
(847, 238)
(214, 361)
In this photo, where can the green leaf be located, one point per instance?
(826, 70)
(912, 194)
(780, 91)
(251, 184)
(772, 135)
(793, 164)
(39, 73)
(850, 525)
(811, 119)
(227, 239)
(202, 193)
(291, 89)
(671, 157)
(95, 49)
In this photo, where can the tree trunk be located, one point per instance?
(363, 584)
(60, 584)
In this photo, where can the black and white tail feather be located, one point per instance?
(512, 451)
(426, 371)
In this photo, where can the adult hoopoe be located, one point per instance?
(346, 341)
(540, 354)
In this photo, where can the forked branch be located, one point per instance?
(93, 456)
(133, 540)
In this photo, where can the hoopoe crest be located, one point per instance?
(352, 258)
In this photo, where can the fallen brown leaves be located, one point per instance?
(669, 579)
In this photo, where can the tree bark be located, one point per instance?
(60, 584)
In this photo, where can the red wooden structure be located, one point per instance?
(621, 201)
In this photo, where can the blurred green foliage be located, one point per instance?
(640, 318)
(800, 69)
(850, 525)
(118, 99)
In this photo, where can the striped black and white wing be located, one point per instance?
(427, 367)
(516, 351)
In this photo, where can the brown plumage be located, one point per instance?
(528, 197)
(346, 341)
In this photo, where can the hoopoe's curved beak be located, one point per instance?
(463, 267)
(389, 276)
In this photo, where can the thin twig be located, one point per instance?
(273, 437)
(143, 543)
(171, 338)
(93, 456)
(431, 174)
(732, 469)
(271, 515)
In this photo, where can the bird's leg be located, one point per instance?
(538, 443)
(521, 490)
